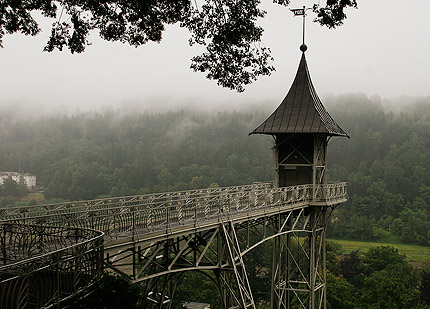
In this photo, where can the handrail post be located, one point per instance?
(58, 278)
(220, 201)
(195, 214)
(314, 192)
(4, 245)
(167, 218)
(133, 223)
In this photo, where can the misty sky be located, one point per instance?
(382, 49)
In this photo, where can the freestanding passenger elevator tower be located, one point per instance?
(301, 128)
(156, 238)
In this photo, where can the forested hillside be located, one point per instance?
(387, 166)
(386, 162)
(91, 155)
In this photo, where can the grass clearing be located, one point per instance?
(414, 254)
(32, 196)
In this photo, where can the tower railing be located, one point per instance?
(330, 194)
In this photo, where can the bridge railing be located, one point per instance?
(137, 215)
(43, 265)
(125, 200)
(330, 193)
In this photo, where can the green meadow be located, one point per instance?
(414, 254)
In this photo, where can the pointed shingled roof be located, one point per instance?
(301, 111)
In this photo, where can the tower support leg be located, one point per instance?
(298, 268)
(234, 280)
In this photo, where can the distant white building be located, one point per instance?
(29, 180)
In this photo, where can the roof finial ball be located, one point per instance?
(303, 47)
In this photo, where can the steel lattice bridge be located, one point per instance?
(52, 252)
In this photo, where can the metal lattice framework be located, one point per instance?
(43, 265)
(155, 238)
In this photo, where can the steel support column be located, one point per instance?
(242, 298)
(298, 271)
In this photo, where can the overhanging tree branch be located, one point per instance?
(227, 28)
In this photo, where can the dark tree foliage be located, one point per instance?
(333, 14)
(378, 278)
(12, 188)
(197, 286)
(340, 293)
(377, 259)
(228, 29)
(390, 282)
(351, 267)
(425, 284)
(111, 292)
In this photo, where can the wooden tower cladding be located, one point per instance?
(301, 127)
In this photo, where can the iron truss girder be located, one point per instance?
(157, 266)
(298, 270)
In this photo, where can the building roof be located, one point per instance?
(301, 111)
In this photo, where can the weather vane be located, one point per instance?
(301, 12)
